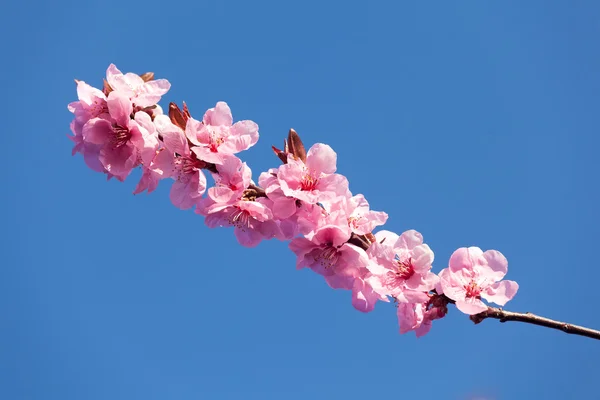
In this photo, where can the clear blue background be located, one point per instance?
(474, 122)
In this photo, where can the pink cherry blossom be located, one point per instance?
(124, 142)
(355, 210)
(180, 163)
(142, 94)
(91, 104)
(473, 274)
(329, 254)
(360, 218)
(402, 265)
(232, 179)
(283, 206)
(151, 176)
(411, 317)
(252, 219)
(364, 296)
(217, 137)
(419, 316)
(314, 181)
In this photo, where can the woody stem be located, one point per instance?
(529, 318)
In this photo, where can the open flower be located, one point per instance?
(329, 255)
(124, 142)
(314, 180)
(473, 274)
(141, 93)
(402, 265)
(217, 137)
(91, 103)
(251, 217)
(176, 160)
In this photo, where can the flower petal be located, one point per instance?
(119, 108)
(497, 263)
(220, 115)
(471, 306)
(501, 292)
(466, 258)
(321, 159)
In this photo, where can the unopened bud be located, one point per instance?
(177, 116)
(281, 154)
(296, 147)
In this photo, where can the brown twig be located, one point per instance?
(529, 318)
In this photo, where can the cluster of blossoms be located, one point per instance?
(303, 201)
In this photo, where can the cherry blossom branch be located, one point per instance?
(303, 202)
(529, 318)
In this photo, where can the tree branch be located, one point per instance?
(529, 318)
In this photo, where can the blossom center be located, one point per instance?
(308, 183)
(404, 269)
(240, 219)
(188, 165)
(353, 222)
(120, 136)
(98, 107)
(472, 289)
(327, 257)
(216, 139)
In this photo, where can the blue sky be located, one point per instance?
(475, 123)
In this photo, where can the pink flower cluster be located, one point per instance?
(304, 200)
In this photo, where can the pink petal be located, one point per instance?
(119, 161)
(497, 263)
(256, 209)
(363, 296)
(387, 238)
(371, 220)
(218, 219)
(284, 207)
(196, 132)
(410, 316)
(179, 195)
(321, 159)
(409, 240)
(269, 230)
(423, 329)
(332, 186)
(422, 258)
(119, 108)
(91, 154)
(301, 247)
(466, 258)
(501, 292)
(151, 92)
(157, 87)
(339, 282)
(451, 285)
(97, 131)
(173, 137)
(89, 94)
(148, 181)
(243, 135)
(163, 163)
(220, 115)
(247, 237)
(411, 296)
(114, 77)
(471, 306)
(332, 234)
(185, 194)
(133, 80)
(205, 154)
